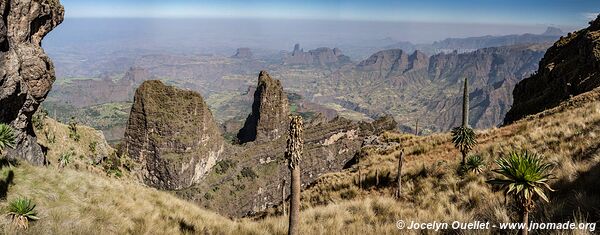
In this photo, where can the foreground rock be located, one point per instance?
(26, 72)
(270, 110)
(172, 135)
(568, 68)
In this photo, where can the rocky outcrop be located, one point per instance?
(172, 135)
(26, 72)
(243, 53)
(270, 110)
(570, 67)
(254, 182)
(322, 56)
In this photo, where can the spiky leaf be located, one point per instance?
(523, 174)
(463, 138)
(7, 137)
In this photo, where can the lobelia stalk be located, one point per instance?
(293, 154)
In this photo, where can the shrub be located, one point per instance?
(247, 172)
(38, 119)
(50, 137)
(464, 140)
(475, 164)
(21, 211)
(222, 166)
(93, 146)
(115, 172)
(73, 130)
(7, 137)
(65, 158)
(525, 176)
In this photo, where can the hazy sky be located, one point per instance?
(547, 12)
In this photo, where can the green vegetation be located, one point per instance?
(463, 137)
(38, 119)
(247, 172)
(110, 118)
(525, 176)
(224, 165)
(93, 146)
(464, 140)
(474, 164)
(73, 130)
(21, 211)
(65, 158)
(7, 137)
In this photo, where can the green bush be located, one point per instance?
(247, 172)
(93, 146)
(21, 211)
(65, 158)
(38, 119)
(73, 134)
(7, 137)
(222, 166)
(474, 164)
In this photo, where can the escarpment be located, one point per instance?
(172, 135)
(26, 72)
(570, 67)
(270, 110)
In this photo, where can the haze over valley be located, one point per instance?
(299, 117)
(99, 67)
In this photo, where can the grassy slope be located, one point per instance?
(71, 201)
(565, 136)
(76, 202)
(91, 152)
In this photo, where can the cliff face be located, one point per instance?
(429, 88)
(570, 67)
(26, 72)
(396, 65)
(321, 56)
(269, 117)
(492, 73)
(253, 178)
(172, 135)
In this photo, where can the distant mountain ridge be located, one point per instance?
(413, 86)
(465, 45)
(570, 67)
(321, 56)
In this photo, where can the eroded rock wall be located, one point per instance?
(26, 72)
